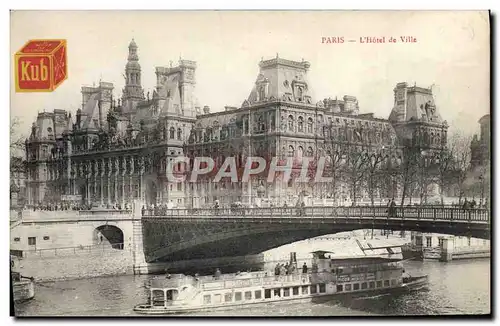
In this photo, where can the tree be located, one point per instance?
(426, 172)
(407, 169)
(355, 170)
(335, 156)
(16, 141)
(460, 153)
(374, 161)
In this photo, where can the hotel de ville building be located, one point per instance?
(115, 149)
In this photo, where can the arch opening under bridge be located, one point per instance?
(109, 234)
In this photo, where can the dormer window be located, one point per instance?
(262, 93)
(300, 93)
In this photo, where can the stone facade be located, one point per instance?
(481, 146)
(17, 182)
(479, 185)
(116, 151)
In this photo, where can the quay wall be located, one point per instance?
(471, 252)
(65, 233)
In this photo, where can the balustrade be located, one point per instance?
(368, 212)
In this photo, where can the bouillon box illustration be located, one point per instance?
(41, 65)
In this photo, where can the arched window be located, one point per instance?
(172, 133)
(179, 134)
(300, 152)
(310, 125)
(208, 134)
(223, 133)
(290, 123)
(300, 93)
(291, 151)
(245, 126)
(300, 124)
(262, 124)
(310, 151)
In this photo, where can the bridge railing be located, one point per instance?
(109, 212)
(369, 212)
(74, 250)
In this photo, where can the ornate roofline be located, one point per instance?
(278, 61)
(420, 90)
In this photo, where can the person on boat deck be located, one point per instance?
(304, 268)
(217, 274)
(277, 271)
(282, 270)
(291, 269)
(287, 269)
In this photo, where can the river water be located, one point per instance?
(457, 287)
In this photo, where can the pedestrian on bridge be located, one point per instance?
(392, 208)
(217, 274)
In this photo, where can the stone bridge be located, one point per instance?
(174, 235)
(183, 234)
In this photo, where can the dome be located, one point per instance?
(132, 44)
(133, 65)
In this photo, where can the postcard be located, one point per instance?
(250, 163)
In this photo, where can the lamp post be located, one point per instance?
(249, 181)
(374, 160)
(481, 177)
(423, 185)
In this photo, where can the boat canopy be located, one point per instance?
(367, 260)
(321, 253)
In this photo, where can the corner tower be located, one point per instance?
(175, 88)
(281, 79)
(416, 118)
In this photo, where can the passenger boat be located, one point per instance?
(348, 276)
(23, 288)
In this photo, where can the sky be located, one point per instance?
(451, 53)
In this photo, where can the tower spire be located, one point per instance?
(133, 92)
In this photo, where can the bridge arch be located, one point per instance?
(109, 234)
(181, 240)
